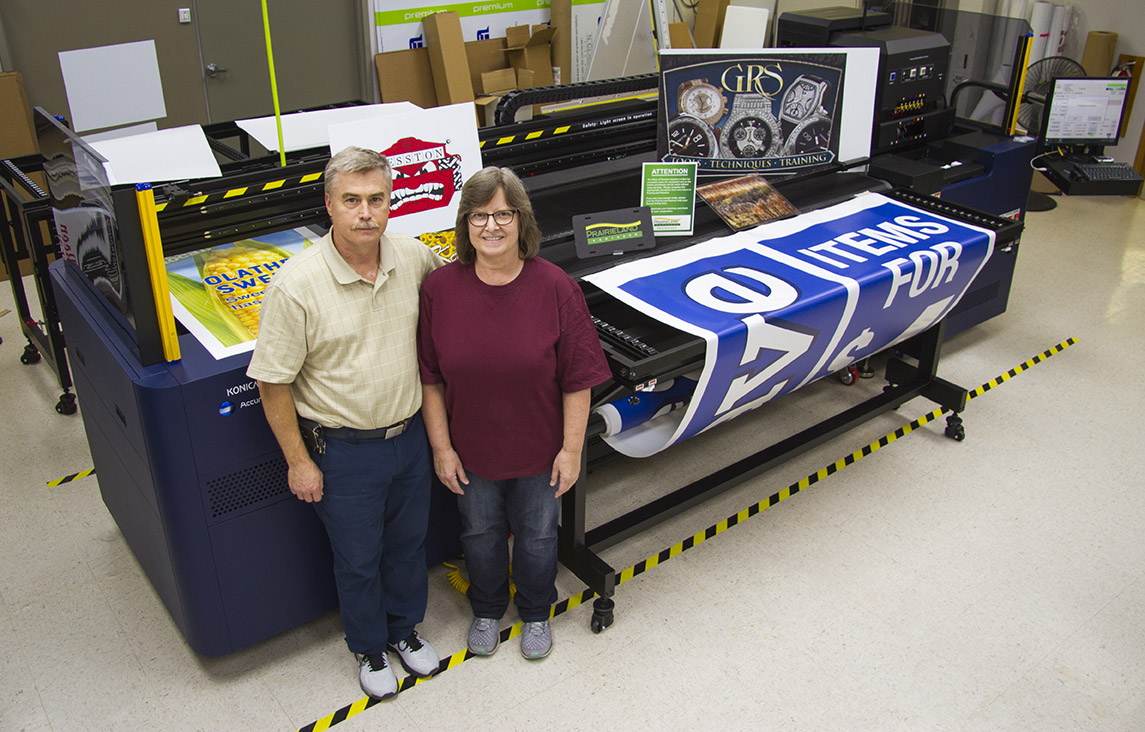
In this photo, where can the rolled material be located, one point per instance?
(1098, 55)
(1041, 18)
(1058, 28)
(633, 411)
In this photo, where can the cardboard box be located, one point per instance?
(485, 55)
(529, 48)
(17, 133)
(486, 109)
(17, 139)
(709, 22)
(560, 17)
(498, 82)
(679, 35)
(447, 58)
(406, 76)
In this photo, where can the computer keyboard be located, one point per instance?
(1107, 171)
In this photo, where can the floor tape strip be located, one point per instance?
(70, 478)
(700, 537)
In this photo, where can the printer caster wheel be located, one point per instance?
(850, 375)
(30, 355)
(601, 614)
(954, 429)
(67, 403)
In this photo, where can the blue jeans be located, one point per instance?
(375, 506)
(490, 509)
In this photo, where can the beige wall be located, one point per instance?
(36, 31)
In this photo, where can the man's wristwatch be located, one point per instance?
(702, 100)
(803, 118)
(691, 137)
(751, 130)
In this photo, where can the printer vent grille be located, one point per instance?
(234, 492)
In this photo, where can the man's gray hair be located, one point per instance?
(356, 160)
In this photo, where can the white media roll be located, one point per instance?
(1041, 16)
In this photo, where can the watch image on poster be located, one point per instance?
(772, 112)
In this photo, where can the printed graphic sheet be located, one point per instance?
(791, 301)
(216, 293)
(432, 153)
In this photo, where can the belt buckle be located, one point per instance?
(396, 429)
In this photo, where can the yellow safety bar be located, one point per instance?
(1025, 43)
(153, 249)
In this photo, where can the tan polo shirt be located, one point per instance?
(346, 347)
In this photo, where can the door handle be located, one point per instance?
(214, 70)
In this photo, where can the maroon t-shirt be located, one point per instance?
(506, 354)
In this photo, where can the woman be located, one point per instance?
(508, 356)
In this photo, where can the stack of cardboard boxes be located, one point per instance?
(450, 70)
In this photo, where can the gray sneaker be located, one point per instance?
(536, 640)
(375, 675)
(484, 636)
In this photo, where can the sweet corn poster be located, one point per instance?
(216, 293)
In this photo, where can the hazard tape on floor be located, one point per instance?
(700, 537)
(70, 478)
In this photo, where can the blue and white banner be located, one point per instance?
(791, 301)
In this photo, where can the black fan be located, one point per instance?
(1039, 79)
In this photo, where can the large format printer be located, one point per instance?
(190, 471)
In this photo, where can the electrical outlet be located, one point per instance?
(184, 15)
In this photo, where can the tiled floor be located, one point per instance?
(993, 584)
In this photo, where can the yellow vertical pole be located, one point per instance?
(1021, 63)
(273, 84)
(153, 249)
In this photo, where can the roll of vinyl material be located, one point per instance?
(1058, 28)
(1041, 17)
(632, 411)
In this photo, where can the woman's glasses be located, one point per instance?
(480, 218)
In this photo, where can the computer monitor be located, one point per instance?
(1084, 112)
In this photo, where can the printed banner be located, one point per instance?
(776, 111)
(794, 300)
(216, 293)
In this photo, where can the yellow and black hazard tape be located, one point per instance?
(70, 478)
(237, 192)
(527, 137)
(698, 538)
(992, 383)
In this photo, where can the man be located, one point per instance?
(336, 366)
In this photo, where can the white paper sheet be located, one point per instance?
(109, 86)
(305, 130)
(153, 157)
(744, 27)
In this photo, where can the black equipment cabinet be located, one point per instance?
(22, 235)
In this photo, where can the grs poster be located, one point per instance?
(778, 111)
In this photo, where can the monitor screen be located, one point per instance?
(1084, 111)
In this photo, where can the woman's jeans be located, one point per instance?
(528, 508)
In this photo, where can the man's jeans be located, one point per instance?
(490, 509)
(375, 506)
